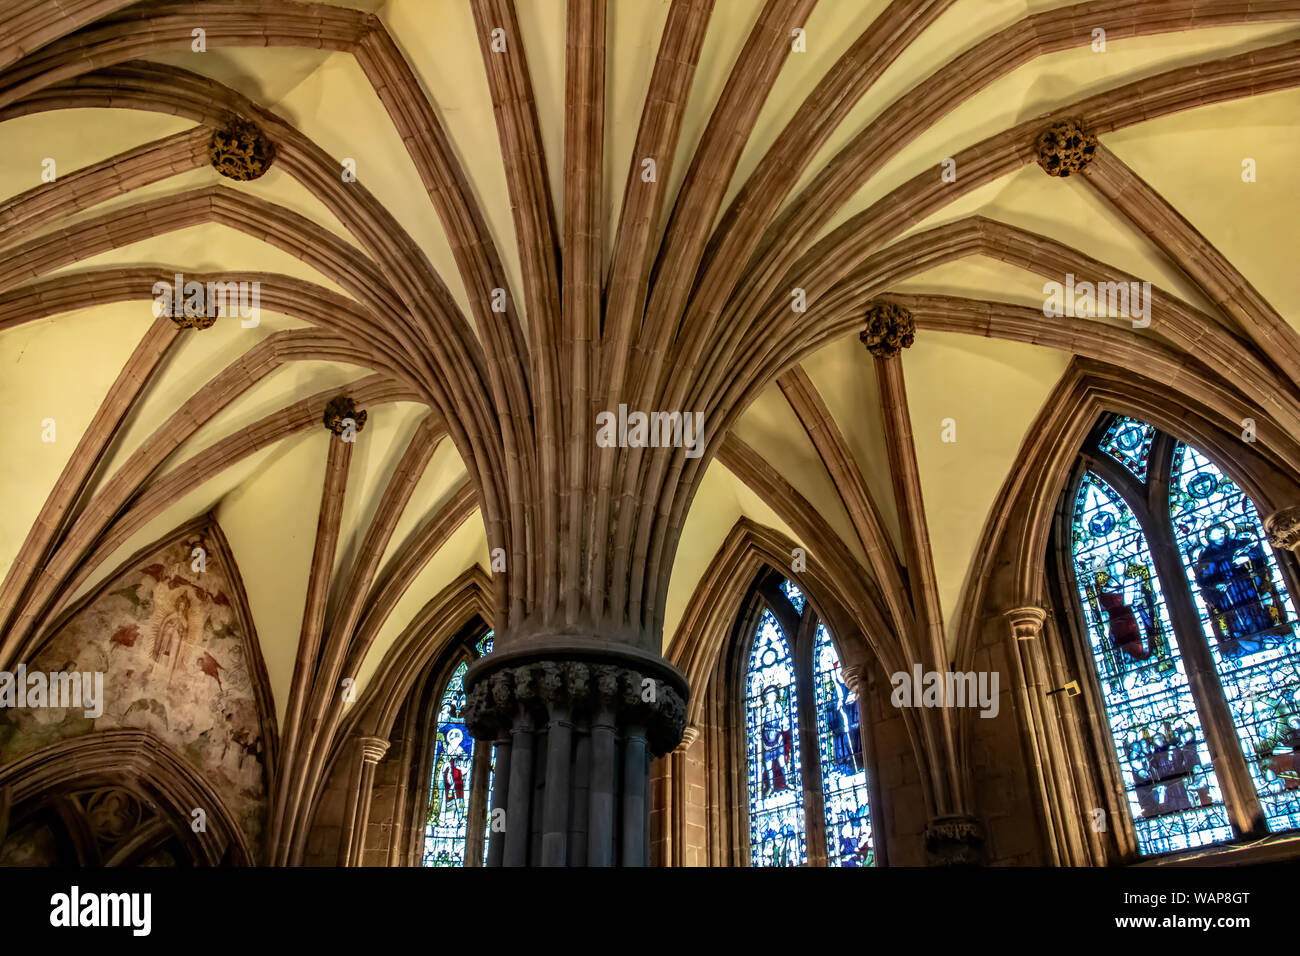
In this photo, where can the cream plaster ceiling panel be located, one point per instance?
(440, 480)
(73, 139)
(291, 382)
(1046, 83)
(772, 429)
(721, 501)
(1195, 161)
(201, 500)
(844, 374)
(270, 522)
(375, 454)
(990, 390)
(58, 368)
(466, 547)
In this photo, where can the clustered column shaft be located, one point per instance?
(574, 740)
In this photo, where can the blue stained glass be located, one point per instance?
(844, 774)
(453, 752)
(796, 597)
(1173, 793)
(776, 830)
(1128, 441)
(1249, 622)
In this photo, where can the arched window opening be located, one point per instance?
(776, 830)
(808, 798)
(844, 772)
(1175, 578)
(1249, 621)
(1173, 796)
(448, 820)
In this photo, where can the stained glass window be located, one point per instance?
(792, 591)
(1173, 793)
(1128, 441)
(776, 825)
(844, 772)
(1249, 621)
(453, 752)
(447, 825)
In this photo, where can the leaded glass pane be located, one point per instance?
(1172, 790)
(453, 751)
(776, 828)
(1249, 621)
(844, 773)
(792, 591)
(1128, 441)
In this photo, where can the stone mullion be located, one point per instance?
(1239, 796)
(814, 809)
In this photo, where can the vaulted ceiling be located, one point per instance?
(839, 180)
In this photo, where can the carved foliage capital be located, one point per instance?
(954, 840)
(542, 689)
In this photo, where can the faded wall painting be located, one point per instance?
(171, 642)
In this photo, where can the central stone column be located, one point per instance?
(575, 723)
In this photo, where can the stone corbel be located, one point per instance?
(1283, 529)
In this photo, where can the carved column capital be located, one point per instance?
(538, 688)
(954, 840)
(372, 748)
(1283, 528)
(1026, 622)
(890, 329)
(1066, 147)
